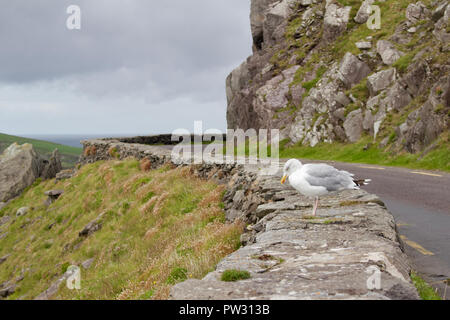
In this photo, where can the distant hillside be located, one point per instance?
(69, 155)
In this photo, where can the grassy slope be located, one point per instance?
(159, 228)
(69, 154)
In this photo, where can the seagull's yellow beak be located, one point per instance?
(283, 180)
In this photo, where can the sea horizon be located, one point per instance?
(74, 140)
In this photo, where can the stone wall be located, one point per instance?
(160, 139)
(288, 253)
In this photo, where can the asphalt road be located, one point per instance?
(420, 202)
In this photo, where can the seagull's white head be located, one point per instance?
(289, 168)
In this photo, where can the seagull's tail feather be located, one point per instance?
(363, 182)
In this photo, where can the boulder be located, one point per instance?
(53, 195)
(364, 11)
(441, 28)
(273, 96)
(380, 81)
(88, 263)
(353, 125)
(4, 220)
(22, 211)
(397, 97)
(91, 227)
(257, 17)
(237, 79)
(438, 13)
(335, 21)
(363, 45)
(424, 125)
(306, 3)
(416, 12)
(353, 70)
(446, 97)
(51, 167)
(275, 21)
(19, 168)
(388, 53)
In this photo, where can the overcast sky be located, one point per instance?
(136, 66)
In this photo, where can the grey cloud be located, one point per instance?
(147, 52)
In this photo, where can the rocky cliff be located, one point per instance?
(320, 74)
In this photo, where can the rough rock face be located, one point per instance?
(306, 78)
(387, 51)
(20, 166)
(364, 11)
(335, 22)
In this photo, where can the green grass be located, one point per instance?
(235, 275)
(69, 155)
(158, 228)
(425, 291)
(311, 84)
(437, 159)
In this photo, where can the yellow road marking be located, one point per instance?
(375, 168)
(426, 174)
(403, 224)
(417, 246)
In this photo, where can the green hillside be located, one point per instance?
(158, 228)
(69, 155)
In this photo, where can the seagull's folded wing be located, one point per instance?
(327, 176)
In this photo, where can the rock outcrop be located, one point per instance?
(335, 21)
(312, 67)
(20, 166)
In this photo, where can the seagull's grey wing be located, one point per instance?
(327, 176)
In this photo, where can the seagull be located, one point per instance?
(315, 180)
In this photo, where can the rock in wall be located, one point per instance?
(20, 166)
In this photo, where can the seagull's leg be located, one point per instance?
(316, 204)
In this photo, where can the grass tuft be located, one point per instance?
(426, 292)
(235, 275)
